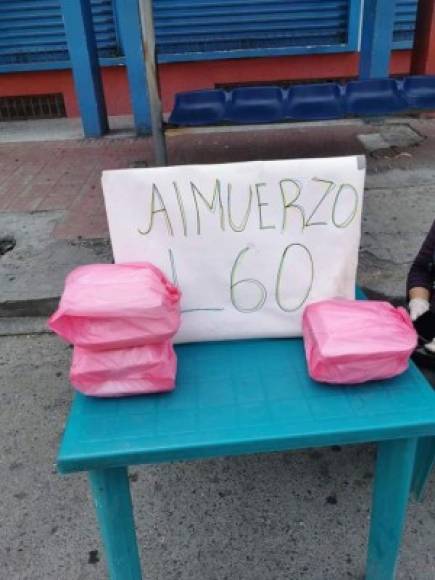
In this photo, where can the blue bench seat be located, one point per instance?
(307, 102)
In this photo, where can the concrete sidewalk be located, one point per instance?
(51, 201)
(270, 517)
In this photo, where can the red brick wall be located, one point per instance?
(61, 81)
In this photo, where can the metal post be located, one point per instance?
(376, 38)
(423, 54)
(131, 38)
(77, 18)
(148, 39)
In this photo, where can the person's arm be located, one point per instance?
(419, 292)
(420, 277)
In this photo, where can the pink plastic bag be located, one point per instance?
(350, 341)
(130, 371)
(117, 305)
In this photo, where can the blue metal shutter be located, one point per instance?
(404, 26)
(201, 29)
(33, 31)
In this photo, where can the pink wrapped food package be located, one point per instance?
(350, 341)
(106, 306)
(123, 372)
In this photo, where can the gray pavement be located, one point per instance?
(32, 274)
(284, 516)
(31, 131)
(399, 204)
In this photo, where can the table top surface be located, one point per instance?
(242, 397)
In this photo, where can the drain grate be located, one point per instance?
(7, 244)
(32, 107)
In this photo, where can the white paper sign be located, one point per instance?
(249, 244)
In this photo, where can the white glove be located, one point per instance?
(430, 346)
(418, 307)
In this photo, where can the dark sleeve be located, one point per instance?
(420, 273)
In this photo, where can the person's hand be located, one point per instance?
(418, 307)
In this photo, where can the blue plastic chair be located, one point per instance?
(247, 397)
(256, 105)
(199, 108)
(366, 98)
(318, 101)
(420, 91)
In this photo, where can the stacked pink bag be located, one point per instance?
(121, 319)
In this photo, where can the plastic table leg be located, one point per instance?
(112, 500)
(424, 462)
(394, 469)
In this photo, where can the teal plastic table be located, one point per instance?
(248, 397)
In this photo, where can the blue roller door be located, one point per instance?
(32, 31)
(200, 29)
(404, 26)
